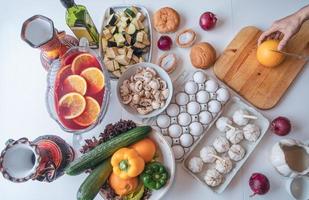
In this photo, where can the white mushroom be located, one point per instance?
(251, 132)
(241, 117)
(234, 135)
(236, 152)
(138, 86)
(213, 178)
(126, 99)
(221, 144)
(195, 165)
(223, 165)
(207, 153)
(154, 84)
(165, 93)
(136, 98)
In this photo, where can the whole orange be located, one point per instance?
(146, 148)
(266, 56)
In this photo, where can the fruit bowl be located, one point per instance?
(78, 90)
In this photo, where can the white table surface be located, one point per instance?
(23, 83)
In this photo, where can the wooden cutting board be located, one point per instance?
(263, 87)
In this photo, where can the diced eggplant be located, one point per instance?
(129, 53)
(117, 73)
(122, 24)
(111, 11)
(141, 59)
(122, 51)
(139, 45)
(109, 65)
(130, 12)
(112, 20)
(140, 36)
(122, 59)
(107, 34)
(111, 44)
(128, 39)
(112, 29)
(123, 69)
(146, 40)
(111, 52)
(104, 43)
(131, 29)
(135, 58)
(116, 65)
(140, 16)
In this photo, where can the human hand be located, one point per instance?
(284, 28)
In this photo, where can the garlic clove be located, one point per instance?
(186, 38)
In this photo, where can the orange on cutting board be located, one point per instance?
(266, 56)
(146, 148)
(94, 78)
(71, 105)
(83, 61)
(75, 83)
(90, 113)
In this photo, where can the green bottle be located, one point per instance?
(80, 22)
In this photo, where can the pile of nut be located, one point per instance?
(144, 91)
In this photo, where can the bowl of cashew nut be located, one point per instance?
(144, 90)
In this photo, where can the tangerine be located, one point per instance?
(146, 148)
(266, 54)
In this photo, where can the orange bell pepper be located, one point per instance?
(127, 163)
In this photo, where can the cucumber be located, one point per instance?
(106, 149)
(92, 184)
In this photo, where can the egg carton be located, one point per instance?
(197, 100)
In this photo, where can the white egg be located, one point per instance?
(191, 87)
(199, 77)
(196, 128)
(172, 110)
(178, 151)
(169, 140)
(214, 106)
(223, 95)
(186, 140)
(205, 117)
(163, 121)
(184, 119)
(193, 108)
(202, 97)
(211, 86)
(175, 130)
(182, 99)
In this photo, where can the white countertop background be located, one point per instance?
(23, 83)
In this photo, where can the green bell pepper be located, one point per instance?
(154, 176)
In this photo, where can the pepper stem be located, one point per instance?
(124, 165)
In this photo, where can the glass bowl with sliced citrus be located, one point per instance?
(78, 90)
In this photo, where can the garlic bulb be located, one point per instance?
(223, 124)
(251, 132)
(234, 135)
(213, 178)
(236, 152)
(195, 164)
(207, 154)
(221, 144)
(224, 165)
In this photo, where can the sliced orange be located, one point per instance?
(90, 114)
(75, 83)
(64, 72)
(83, 61)
(94, 78)
(71, 105)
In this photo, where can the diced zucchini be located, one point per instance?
(109, 65)
(119, 39)
(107, 34)
(138, 25)
(111, 52)
(117, 73)
(104, 43)
(112, 29)
(135, 58)
(112, 20)
(139, 45)
(122, 59)
(122, 24)
(146, 40)
(123, 69)
(122, 51)
(140, 36)
(111, 44)
(130, 12)
(116, 65)
(130, 53)
(131, 29)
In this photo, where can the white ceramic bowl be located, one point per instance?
(166, 157)
(131, 71)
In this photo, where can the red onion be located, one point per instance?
(259, 184)
(165, 43)
(281, 126)
(208, 20)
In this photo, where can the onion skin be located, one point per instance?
(208, 21)
(281, 126)
(259, 184)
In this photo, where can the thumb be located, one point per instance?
(284, 41)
